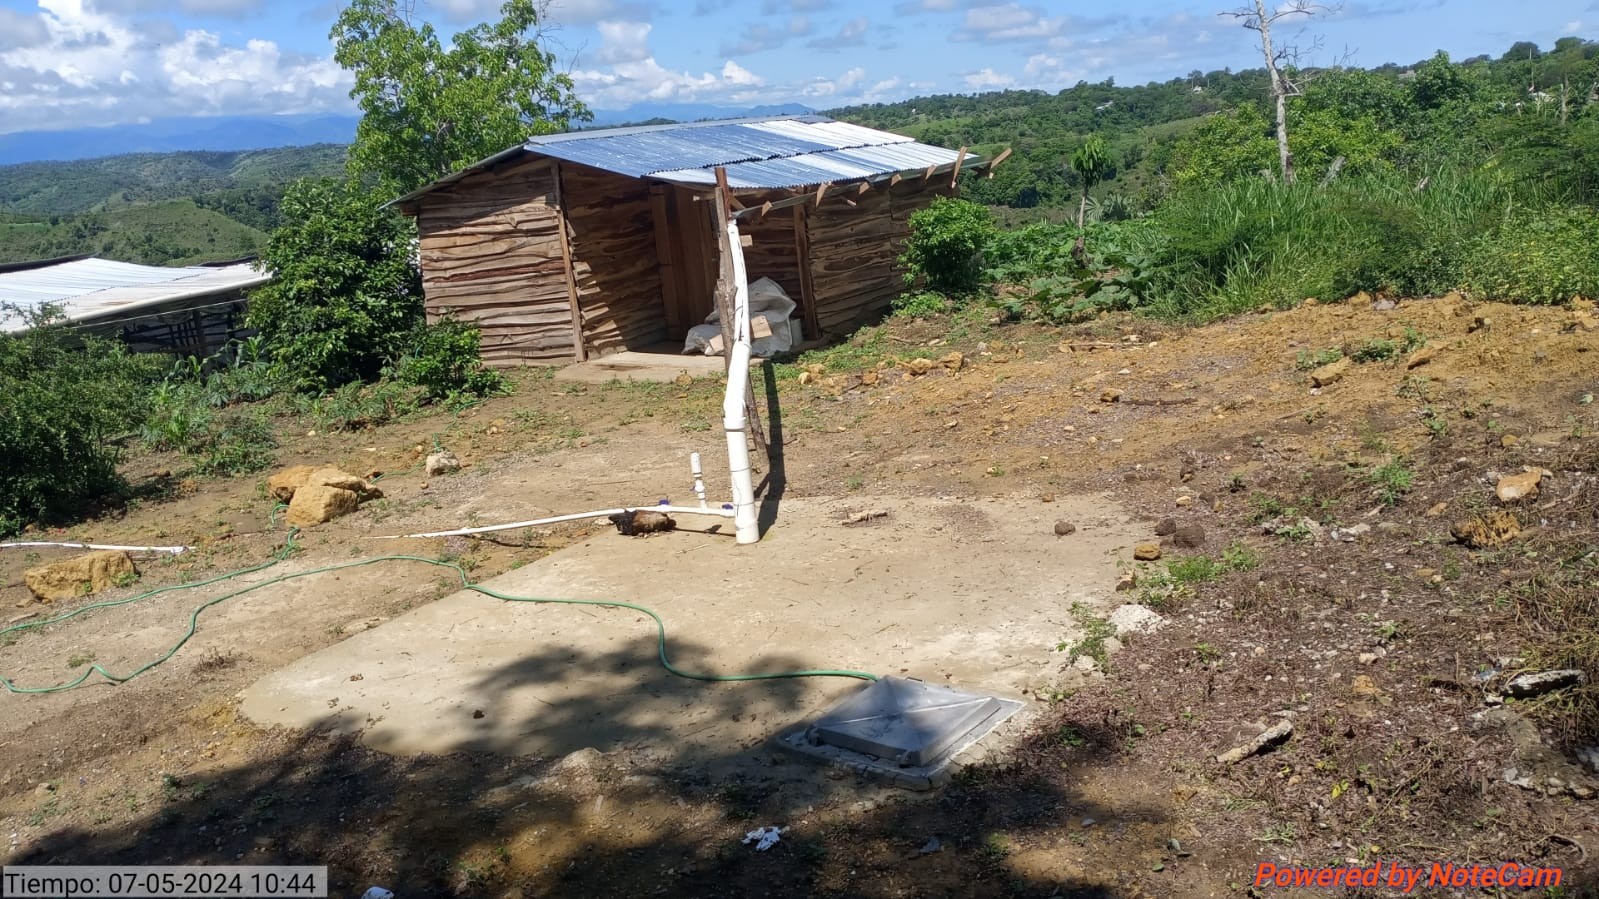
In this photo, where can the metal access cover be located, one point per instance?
(907, 721)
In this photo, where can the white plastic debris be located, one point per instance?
(764, 838)
(377, 893)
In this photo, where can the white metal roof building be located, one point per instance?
(188, 310)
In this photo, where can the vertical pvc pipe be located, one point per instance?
(746, 525)
(699, 477)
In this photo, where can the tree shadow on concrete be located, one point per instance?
(653, 815)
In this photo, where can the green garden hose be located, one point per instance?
(466, 583)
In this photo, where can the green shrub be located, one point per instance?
(1538, 256)
(356, 406)
(920, 304)
(346, 292)
(443, 360)
(946, 245)
(65, 400)
(1060, 284)
(239, 442)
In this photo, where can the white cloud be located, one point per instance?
(195, 7)
(1572, 27)
(987, 80)
(623, 42)
(761, 36)
(914, 7)
(629, 74)
(850, 34)
(1009, 22)
(560, 12)
(78, 65)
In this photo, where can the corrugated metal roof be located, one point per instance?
(90, 289)
(758, 153)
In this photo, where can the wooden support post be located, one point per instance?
(994, 163)
(579, 352)
(802, 253)
(955, 176)
(671, 303)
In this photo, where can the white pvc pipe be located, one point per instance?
(174, 550)
(699, 478)
(746, 525)
(557, 519)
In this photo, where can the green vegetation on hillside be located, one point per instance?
(152, 208)
(1480, 176)
(174, 232)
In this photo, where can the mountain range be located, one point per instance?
(228, 133)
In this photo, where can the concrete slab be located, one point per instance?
(664, 366)
(975, 594)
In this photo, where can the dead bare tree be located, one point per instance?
(1257, 18)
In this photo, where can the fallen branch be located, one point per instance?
(863, 517)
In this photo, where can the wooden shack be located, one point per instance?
(583, 244)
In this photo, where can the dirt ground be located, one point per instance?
(1386, 646)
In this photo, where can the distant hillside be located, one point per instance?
(175, 232)
(90, 185)
(687, 112)
(176, 135)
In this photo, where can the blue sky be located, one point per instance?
(70, 63)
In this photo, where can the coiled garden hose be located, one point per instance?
(466, 583)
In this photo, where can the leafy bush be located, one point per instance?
(920, 304)
(66, 398)
(945, 249)
(1539, 256)
(1060, 284)
(356, 406)
(443, 360)
(346, 292)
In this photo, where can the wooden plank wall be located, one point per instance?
(491, 254)
(690, 236)
(855, 250)
(614, 259)
(772, 253)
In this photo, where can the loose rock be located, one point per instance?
(79, 575)
(283, 484)
(1528, 685)
(1165, 527)
(316, 504)
(1494, 528)
(442, 463)
(1329, 373)
(1134, 618)
(1065, 528)
(954, 361)
(1514, 487)
(1421, 357)
(1146, 552)
(1275, 735)
(1189, 536)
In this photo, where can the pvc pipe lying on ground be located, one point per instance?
(557, 519)
(174, 550)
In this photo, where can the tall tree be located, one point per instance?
(1091, 162)
(1257, 19)
(429, 110)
